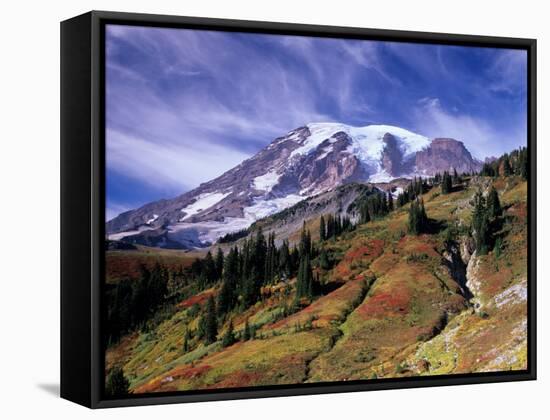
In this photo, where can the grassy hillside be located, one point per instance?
(388, 304)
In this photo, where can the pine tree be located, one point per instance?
(364, 213)
(455, 177)
(186, 339)
(219, 263)
(247, 335)
(210, 322)
(270, 259)
(446, 183)
(305, 241)
(418, 220)
(229, 336)
(285, 261)
(304, 283)
(116, 384)
(506, 168)
(210, 270)
(390, 202)
(493, 204)
(480, 224)
(322, 229)
(324, 262)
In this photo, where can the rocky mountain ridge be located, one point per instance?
(307, 161)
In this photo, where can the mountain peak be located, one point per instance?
(307, 161)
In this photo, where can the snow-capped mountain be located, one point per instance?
(307, 161)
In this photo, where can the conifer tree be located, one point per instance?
(305, 241)
(322, 229)
(446, 183)
(210, 270)
(455, 177)
(493, 204)
(210, 322)
(246, 331)
(285, 261)
(506, 168)
(186, 339)
(480, 224)
(219, 263)
(304, 283)
(229, 336)
(418, 220)
(227, 297)
(324, 262)
(364, 213)
(270, 259)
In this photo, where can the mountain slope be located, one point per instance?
(396, 307)
(307, 161)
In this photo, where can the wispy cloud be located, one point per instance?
(510, 73)
(174, 165)
(481, 138)
(183, 106)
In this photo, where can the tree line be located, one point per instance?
(130, 303)
(513, 163)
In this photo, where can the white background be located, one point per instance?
(29, 209)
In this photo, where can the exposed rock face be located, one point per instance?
(444, 155)
(329, 165)
(393, 160)
(306, 161)
(391, 156)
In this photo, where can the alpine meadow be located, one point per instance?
(285, 210)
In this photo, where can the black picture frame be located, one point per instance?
(83, 204)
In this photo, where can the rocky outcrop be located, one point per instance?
(446, 154)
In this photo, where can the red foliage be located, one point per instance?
(198, 299)
(384, 304)
(238, 379)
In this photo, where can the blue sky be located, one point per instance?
(184, 106)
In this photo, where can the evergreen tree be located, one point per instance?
(446, 183)
(227, 297)
(229, 336)
(247, 334)
(186, 339)
(324, 262)
(210, 322)
(304, 283)
(219, 263)
(322, 229)
(506, 168)
(418, 220)
(390, 202)
(493, 204)
(480, 224)
(364, 215)
(330, 227)
(270, 259)
(455, 177)
(116, 385)
(285, 261)
(210, 271)
(305, 241)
